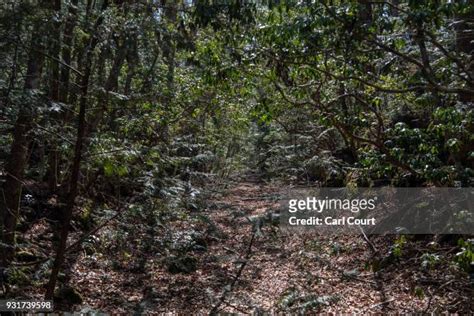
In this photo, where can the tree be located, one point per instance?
(18, 157)
(74, 180)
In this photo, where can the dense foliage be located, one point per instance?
(139, 104)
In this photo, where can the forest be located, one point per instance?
(147, 148)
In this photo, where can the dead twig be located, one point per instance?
(367, 240)
(235, 279)
(381, 304)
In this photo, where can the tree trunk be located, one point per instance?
(132, 61)
(61, 91)
(169, 52)
(52, 172)
(74, 180)
(111, 85)
(17, 160)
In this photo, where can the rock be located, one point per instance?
(185, 264)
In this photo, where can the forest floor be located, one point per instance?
(277, 271)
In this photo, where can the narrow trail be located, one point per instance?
(284, 271)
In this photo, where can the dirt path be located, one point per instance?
(288, 270)
(285, 272)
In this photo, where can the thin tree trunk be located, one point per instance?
(74, 180)
(60, 84)
(110, 85)
(68, 38)
(52, 172)
(132, 61)
(169, 52)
